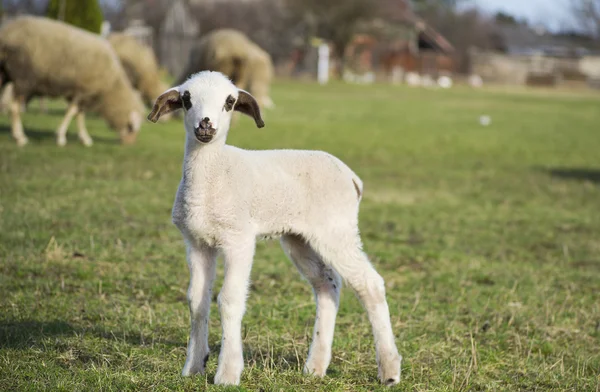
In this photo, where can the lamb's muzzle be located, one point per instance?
(228, 197)
(205, 131)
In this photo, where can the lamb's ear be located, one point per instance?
(167, 102)
(247, 105)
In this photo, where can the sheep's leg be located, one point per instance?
(347, 258)
(61, 132)
(82, 132)
(202, 265)
(17, 126)
(232, 305)
(326, 285)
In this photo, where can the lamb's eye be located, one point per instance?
(186, 98)
(229, 103)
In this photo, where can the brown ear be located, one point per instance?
(247, 105)
(167, 102)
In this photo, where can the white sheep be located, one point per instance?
(43, 57)
(228, 197)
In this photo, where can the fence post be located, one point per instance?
(323, 64)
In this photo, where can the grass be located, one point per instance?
(488, 238)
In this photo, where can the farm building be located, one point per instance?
(385, 51)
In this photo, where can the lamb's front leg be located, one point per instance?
(202, 265)
(232, 305)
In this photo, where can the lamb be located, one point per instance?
(140, 64)
(43, 57)
(229, 197)
(232, 53)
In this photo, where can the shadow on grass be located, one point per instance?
(27, 334)
(577, 174)
(37, 134)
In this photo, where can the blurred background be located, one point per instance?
(548, 43)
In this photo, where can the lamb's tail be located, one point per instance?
(358, 186)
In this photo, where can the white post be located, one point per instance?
(323, 64)
(105, 29)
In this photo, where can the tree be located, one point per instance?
(587, 13)
(503, 18)
(334, 20)
(85, 14)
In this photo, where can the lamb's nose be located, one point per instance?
(205, 123)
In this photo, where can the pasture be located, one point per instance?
(488, 239)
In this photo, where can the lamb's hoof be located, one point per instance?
(228, 376)
(315, 368)
(190, 369)
(227, 379)
(22, 142)
(389, 372)
(61, 141)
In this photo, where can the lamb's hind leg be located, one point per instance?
(344, 254)
(326, 285)
(202, 265)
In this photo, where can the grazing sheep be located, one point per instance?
(235, 55)
(141, 65)
(43, 57)
(228, 197)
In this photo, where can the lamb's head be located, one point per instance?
(208, 100)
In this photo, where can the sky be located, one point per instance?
(554, 14)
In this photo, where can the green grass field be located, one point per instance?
(488, 239)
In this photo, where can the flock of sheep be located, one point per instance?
(225, 200)
(114, 77)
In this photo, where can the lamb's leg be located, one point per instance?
(61, 132)
(345, 255)
(326, 285)
(202, 265)
(232, 305)
(17, 126)
(83, 134)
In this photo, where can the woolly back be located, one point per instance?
(223, 50)
(141, 65)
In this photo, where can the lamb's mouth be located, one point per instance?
(204, 135)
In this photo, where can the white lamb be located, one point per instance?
(228, 197)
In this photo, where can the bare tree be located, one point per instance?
(465, 29)
(587, 13)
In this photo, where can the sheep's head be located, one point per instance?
(208, 100)
(129, 134)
